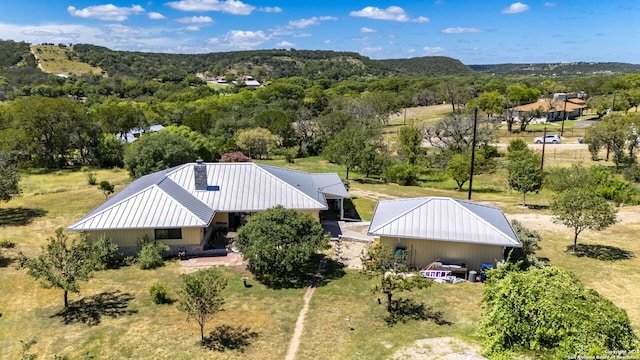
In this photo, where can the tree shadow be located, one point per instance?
(537, 207)
(404, 310)
(19, 216)
(602, 252)
(306, 275)
(5, 261)
(226, 337)
(90, 310)
(333, 270)
(487, 190)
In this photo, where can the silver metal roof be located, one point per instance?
(169, 198)
(444, 219)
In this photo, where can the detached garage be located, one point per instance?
(443, 230)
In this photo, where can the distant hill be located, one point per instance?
(18, 65)
(263, 64)
(558, 69)
(427, 66)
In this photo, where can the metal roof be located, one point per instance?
(443, 219)
(169, 198)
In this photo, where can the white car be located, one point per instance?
(549, 139)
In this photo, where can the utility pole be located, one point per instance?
(564, 115)
(544, 138)
(473, 150)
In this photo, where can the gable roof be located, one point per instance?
(443, 219)
(169, 199)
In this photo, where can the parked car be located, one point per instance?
(553, 139)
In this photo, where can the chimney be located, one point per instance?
(200, 175)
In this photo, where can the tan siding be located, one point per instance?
(421, 253)
(128, 238)
(314, 214)
(221, 219)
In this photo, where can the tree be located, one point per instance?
(525, 174)
(409, 143)
(9, 178)
(256, 142)
(62, 265)
(379, 261)
(455, 132)
(530, 244)
(51, 126)
(157, 151)
(490, 103)
(107, 188)
(278, 243)
(549, 310)
(458, 168)
(345, 148)
(580, 209)
(201, 295)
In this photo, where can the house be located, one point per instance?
(445, 230)
(555, 109)
(186, 205)
(251, 82)
(135, 133)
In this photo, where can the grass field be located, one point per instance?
(113, 316)
(54, 59)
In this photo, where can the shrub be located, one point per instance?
(91, 178)
(151, 253)
(237, 156)
(158, 292)
(7, 244)
(106, 254)
(632, 173)
(549, 310)
(402, 174)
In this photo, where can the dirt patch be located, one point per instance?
(626, 215)
(439, 348)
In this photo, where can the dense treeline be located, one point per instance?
(48, 121)
(262, 64)
(428, 66)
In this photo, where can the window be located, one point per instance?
(163, 234)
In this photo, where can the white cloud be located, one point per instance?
(327, 42)
(394, 13)
(303, 23)
(235, 7)
(432, 50)
(411, 51)
(239, 39)
(302, 35)
(515, 8)
(367, 30)
(421, 19)
(192, 28)
(195, 20)
(285, 44)
(550, 4)
(107, 12)
(156, 16)
(268, 9)
(460, 30)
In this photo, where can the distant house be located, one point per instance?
(186, 205)
(250, 81)
(445, 230)
(554, 109)
(135, 133)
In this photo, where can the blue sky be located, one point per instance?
(473, 31)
